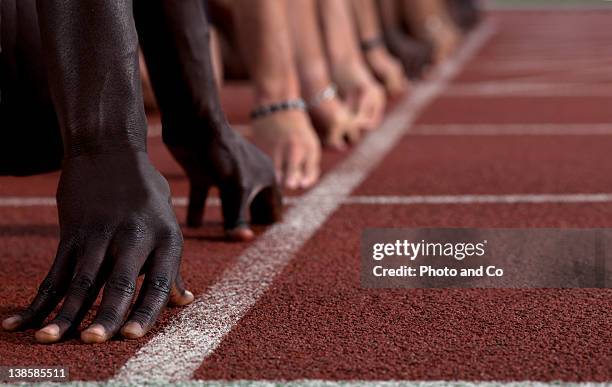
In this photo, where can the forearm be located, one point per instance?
(424, 15)
(309, 54)
(92, 61)
(339, 32)
(366, 18)
(390, 17)
(174, 36)
(265, 42)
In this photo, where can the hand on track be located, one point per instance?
(335, 124)
(289, 138)
(116, 222)
(365, 97)
(388, 70)
(245, 178)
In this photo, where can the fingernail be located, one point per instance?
(188, 296)
(132, 330)
(11, 323)
(48, 334)
(96, 333)
(177, 299)
(241, 234)
(292, 183)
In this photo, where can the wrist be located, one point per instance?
(270, 91)
(78, 147)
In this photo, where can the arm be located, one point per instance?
(174, 37)
(331, 117)
(414, 55)
(349, 71)
(114, 211)
(384, 66)
(287, 136)
(431, 21)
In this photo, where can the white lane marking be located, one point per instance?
(420, 199)
(514, 129)
(337, 383)
(481, 199)
(528, 89)
(180, 348)
(496, 6)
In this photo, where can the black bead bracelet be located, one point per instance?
(266, 110)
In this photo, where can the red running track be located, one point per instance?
(315, 322)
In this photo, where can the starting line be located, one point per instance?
(545, 198)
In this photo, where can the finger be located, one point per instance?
(235, 206)
(335, 140)
(334, 137)
(118, 292)
(155, 291)
(352, 134)
(50, 293)
(179, 295)
(197, 202)
(81, 294)
(295, 160)
(311, 168)
(377, 107)
(277, 160)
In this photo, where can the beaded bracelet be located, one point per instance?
(266, 110)
(372, 43)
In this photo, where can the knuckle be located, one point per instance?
(64, 317)
(122, 284)
(135, 233)
(161, 285)
(144, 314)
(48, 288)
(81, 284)
(172, 233)
(109, 316)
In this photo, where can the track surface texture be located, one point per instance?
(524, 110)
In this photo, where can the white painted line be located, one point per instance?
(481, 199)
(528, 89)
(16, 201)
(497, 6)
(181, 347)
(543, 198)
(514, 129)
(338, 383)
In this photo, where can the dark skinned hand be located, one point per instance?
(116, 222)
(245, 178)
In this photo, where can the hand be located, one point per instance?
(445, 38)
(364, 96)
(289, 138)
(245, 178)
(388, 70)
(335, 124)
(416, 56)
(116, 221)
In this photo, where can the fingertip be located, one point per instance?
(292, 182)
(240, 234)
(49, 334)
(132, 330)
(95, 334)
(183, 299)
(12, 323)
